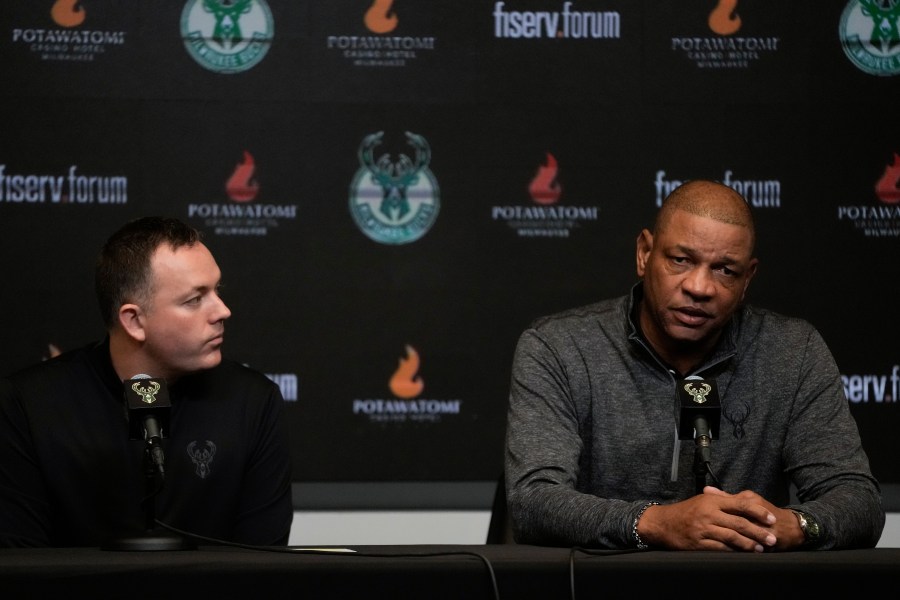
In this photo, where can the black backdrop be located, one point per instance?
(265, 159)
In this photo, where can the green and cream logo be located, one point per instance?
(227, 36)
(394, 201)
(870, 35)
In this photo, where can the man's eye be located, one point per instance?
(728, 272)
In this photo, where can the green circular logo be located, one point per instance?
(227, 36)
(394, 202)
(870, 35)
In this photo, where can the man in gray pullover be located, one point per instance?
(593, 452)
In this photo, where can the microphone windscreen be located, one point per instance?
(697, 398)
(144, 396)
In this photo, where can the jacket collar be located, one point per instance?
(716, 361)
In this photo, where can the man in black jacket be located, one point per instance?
(70, 474)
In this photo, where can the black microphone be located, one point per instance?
(700, 411)
(698, 419)
(148, 404)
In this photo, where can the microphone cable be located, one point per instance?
(325, 551)
(712, 474)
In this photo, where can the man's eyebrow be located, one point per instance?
(718, 260)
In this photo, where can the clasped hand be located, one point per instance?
(717, 520)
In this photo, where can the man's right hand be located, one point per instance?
(715, 520)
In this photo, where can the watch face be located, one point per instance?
(809, 526)
(812, 528)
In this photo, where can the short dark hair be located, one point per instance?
(707, 198)
(122, 273)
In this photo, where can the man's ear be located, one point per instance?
(131, 318)
(751, 271)
(644, 246)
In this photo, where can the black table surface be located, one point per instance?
(442, 571)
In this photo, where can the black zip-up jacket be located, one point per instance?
(71, 476)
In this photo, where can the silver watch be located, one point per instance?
(809, 526)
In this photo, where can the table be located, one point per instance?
(436, 572)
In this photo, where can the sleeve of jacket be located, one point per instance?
(266, 509)
(825, 457)
(542, 459)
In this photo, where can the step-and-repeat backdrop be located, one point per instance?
(394, 189)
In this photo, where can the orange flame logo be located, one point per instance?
(240, 186)
(66, 13)
(888, 186)
(380, 18)
(723, 19)
(404, 382)
(544, 188)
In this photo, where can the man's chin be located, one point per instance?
(689, 336)
(210, 360)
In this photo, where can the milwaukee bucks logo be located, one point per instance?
(394, 201)
(227, 36)
(870, 35)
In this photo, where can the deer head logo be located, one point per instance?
(699, 396)
(147, 394)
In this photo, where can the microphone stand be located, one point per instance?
(702, 455)
(153, 537)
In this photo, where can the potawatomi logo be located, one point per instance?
(242, 216)
(727, 50)
(394, 201)
(386, 47)
(381, 17)
(227, 36)
(545, 217)
(870, 35)
(406, 385)
(69, 41)
(878, 220)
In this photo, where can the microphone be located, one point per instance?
(148, 404)
(700, 411)
(698, 419)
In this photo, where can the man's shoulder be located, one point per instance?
(69, 363)
(232, 372)
(767, 326)
(772, 320)
(61, 380)
(602, 310)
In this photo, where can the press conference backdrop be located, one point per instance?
(394, 189)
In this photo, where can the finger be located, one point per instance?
(714, 491)
(744, 540)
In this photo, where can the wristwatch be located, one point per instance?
(809, 526)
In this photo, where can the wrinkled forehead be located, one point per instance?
(706, 235)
